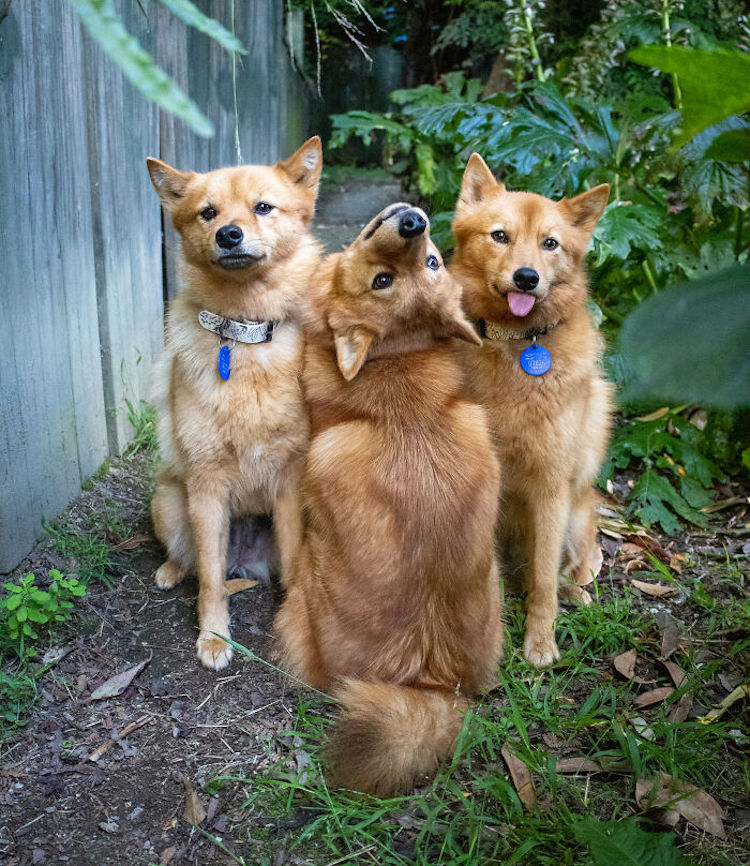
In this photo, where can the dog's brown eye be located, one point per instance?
(550, 244)
(208, 213)
(500, 237)
(433, 263)
(382, 281)
(263, 207)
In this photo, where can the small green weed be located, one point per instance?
(599, 629)
(17, 693)
(142, 418)
(88, 549)
(27, 607)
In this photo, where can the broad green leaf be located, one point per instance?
(426, 168)
(623, 843)
(193, 17)
(12, 602)
(626, 227)
(105, 26)
(689, 342)
(647, 501)
(715, 84)
(731, 146)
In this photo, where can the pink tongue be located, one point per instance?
(520, 303)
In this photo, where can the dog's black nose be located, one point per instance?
(527, 279)
(411, 223)
(227, 237)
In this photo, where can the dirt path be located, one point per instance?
(61, 805)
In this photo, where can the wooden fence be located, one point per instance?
(83, 279)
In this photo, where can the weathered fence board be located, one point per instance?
(52, 421)
(122, 128)
(82, 278)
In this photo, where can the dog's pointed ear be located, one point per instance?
(351, 350)
(585, 209)
(478, 181)
(168, 182)
(459, 326)
(304, 165)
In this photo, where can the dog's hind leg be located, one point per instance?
(172, 527)
(208, 506)
(287, 521)
(583, 556)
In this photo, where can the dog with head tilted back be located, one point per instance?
(233, 426)
(519, 259)
(394, 604)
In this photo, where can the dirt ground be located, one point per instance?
(175, 727)
(59, 805)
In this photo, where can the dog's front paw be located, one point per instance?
(213, 652)
(169, 574)
(540, 651)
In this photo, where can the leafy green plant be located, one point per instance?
(674, 475)
(104, 25)
(624, 842)
(142, 418)
(27, 607)
(88, 549)
(17, 693)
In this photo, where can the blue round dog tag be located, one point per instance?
(535, 360)
(224, 360)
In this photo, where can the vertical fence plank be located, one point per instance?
(52, 427)
(122, 131)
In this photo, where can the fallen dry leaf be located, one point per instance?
(577, 765)
(681, 709)
(629, 548)
(671, 638)
(642, 728)
(696, 806)
(636, 565)
(521, 777)
(718, 711)
(117, 684)
(130, 543)
(625, 664)
(655, 415)
(194, 812)
(657, 589)
(643, 789)
(676, 561)
(678, 675)
(239, 584)
(167, 855)
(722, 504)
(653, 696)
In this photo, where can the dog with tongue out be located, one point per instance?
(519, 258)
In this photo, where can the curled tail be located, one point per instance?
(390, 737)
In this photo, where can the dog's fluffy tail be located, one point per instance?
(389, 738)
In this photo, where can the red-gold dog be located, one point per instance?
(519, 259)
(394, 606)
(233, 424)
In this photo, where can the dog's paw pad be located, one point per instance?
(540, 652)
(213, 652)
(169, 574)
